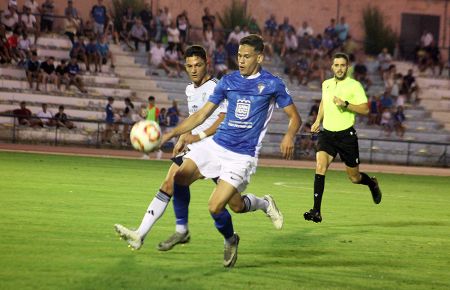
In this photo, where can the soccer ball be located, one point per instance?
(145, 135)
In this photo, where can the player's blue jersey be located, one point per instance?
(250, 106)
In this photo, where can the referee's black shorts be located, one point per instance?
(344, 143)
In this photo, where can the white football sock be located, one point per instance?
(182, 229)
(253, 203)
(154, 211)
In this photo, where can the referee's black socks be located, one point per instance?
(319, 185)
(366, 180)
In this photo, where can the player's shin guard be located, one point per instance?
(319, 185)
(224, 223)
(181, 199)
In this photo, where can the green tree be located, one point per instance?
(119, 7)
(377, 33)
(233, 15)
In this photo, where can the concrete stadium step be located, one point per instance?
(54, 40)
(433, 82)
(436, 105)
(115, 92)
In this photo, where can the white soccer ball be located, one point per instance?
(145, 136)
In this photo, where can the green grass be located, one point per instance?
(57, 215)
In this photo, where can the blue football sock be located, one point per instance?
(224, 223)
(181, 199)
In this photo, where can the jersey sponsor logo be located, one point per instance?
(261, 87)
(242, 109)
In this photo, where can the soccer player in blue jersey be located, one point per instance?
(232, 153)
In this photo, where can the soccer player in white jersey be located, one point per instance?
(232, 153)
(197, 93)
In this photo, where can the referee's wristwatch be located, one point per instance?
(346, 104)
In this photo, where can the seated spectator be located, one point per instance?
(33, 6)
(32, 70)
(316, 69)
(47, 11)
(268, 46)
(399, 118)
(48, 72)
(384, 61)
(374, 110)
(5, 53)
(305, 29)
(88, 29)
(173, 34)
(290, 43)
(10, 18)
(99, 14)
(71, 27)
(29, 23)
(13, 42)
(62, 120)
(232, 46)
(24, 116)
(271, 26)
(173, 114)
(104, 52)
(389, 77)
(73, 75)
(300, 70)
(360, 74)
(62, 74)
(330, 30)
(156, 57)
(78, 50)
(162, 119)
(24, 48)
(182, 24)
(305, 44)
(436, 59)
(139, 34)
(45, 117)
(111, 122)
(386, 121)
(410, 87)
(92, 55)
(127, 120)
(172, 58)
(208, 40)
(128, 19)
(219, 61)
(386, 100)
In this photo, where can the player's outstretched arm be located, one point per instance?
(287, 144)
(190, 123)
(189, 138)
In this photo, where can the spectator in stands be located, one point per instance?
(305, 44)
(128, 19)
(166, 18)
(426, 39)
(156, 57)
(88, 29)
(342, 29)
(374, 110)
(71, 27)
(62, 74)
(32, 70)
(389, 77)
(384, 61)
(99, 15)
(435, 58)
(330, 30)
(146, 16)
(219, 61)
(24, 116)
(360, 73)
(13, 42)
(138, 34)
(92, 55)
(386, 100)
(29, 23)
(33, 6)
(157, 26)
(245, 31)
(350, 46)
(173, 114)
(300, 70)
(162, 119)
(172, 58)
(78, 50)
(183, 26)
(290, 43)
(316, 69)
(72, 11)
(45, 117)
(386, 121)
(110, 32)
(110, 120)
(127, 120)
(10, 18)
(62, 120)
(73, 74)
(208, 40)
(305, 29)
(285, 26)
(24, 46)
(173, 35)
(47, 12)
(410, 87)
(104, 53)
(399, 118)
(208, 19)
(232, 46)
(271, 26)
(5, 56)
(48, 72)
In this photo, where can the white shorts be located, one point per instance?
(214, 160)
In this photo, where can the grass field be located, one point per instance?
(57, 215)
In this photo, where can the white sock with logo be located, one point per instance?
(154, 211)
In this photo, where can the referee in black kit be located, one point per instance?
(342, 98)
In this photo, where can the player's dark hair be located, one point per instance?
(254, 41)
(151, 98)
(341, 55)
(195, 50)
